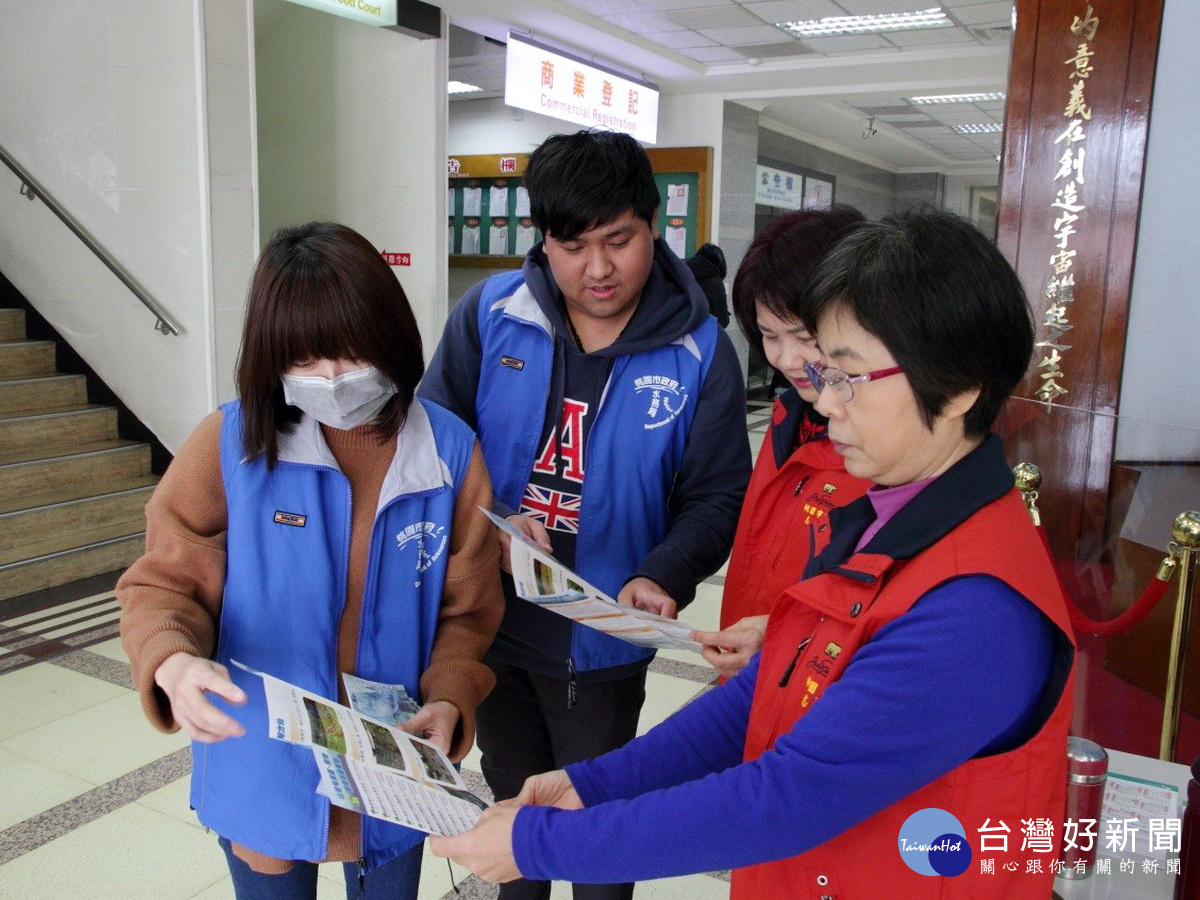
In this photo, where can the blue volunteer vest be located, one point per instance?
(288, 546)
(633, 451)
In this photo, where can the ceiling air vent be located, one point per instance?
(992, 34)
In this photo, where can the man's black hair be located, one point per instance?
(579, 181)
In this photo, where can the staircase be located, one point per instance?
(72, 493)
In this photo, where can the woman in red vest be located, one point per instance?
(798, 477)
(903, 731)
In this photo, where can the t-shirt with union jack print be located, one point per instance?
(555, 486)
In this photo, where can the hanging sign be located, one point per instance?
(774, 187)
(372, 12)
(547, 81)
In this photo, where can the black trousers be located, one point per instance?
(525, 727)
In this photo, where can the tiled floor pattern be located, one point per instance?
(94, 801)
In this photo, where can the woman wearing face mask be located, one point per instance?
(323, 523)
(798, 478)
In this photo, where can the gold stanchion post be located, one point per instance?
(1186, 531)
(1028, 479)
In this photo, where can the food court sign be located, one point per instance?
(547, 81)
(371, 12)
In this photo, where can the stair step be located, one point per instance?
(23, 358)
(29, 520)
(12, 324)
(57, 431)
(110, 549)
(42, 393)
(33, 472)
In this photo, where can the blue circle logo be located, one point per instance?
(933, 842)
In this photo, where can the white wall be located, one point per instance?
(351, 129)
(1160, 394)
(136, 117)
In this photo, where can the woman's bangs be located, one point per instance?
(319, 325)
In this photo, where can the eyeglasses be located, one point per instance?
(843, 384)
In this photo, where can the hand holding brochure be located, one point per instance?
(541, 579)
(370, 766)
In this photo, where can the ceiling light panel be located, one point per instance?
(979, 128)
(957, 98)
(831, 26)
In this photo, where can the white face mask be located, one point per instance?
(352, 399)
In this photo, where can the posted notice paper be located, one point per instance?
(370, 766)
(541, 579)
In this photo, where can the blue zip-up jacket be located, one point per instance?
(288, 552)
(667, 456)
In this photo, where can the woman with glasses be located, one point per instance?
(903, 731)
(799, 476)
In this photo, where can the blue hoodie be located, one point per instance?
(667, 455)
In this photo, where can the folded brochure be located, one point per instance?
(541, 579)
(369, 765)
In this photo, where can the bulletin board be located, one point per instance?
(485, 228)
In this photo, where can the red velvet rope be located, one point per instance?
(1118, 624)
(1126, 620)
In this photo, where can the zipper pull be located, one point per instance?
(800, 486)
(570, 682)
(787, 673)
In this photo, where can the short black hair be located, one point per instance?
(779, 264)
(942, 299)
(322, 291)
(579, 181)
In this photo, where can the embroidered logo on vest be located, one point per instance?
(431, 542)
(666, 399)
(287, 518)
(511, 362)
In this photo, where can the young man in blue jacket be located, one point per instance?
(611, 411)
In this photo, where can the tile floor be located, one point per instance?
(95, 801)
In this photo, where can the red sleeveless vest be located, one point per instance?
(839, 614)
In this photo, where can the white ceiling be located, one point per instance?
(820, 89)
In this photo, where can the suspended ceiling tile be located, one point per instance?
(930, 37)
(684, 4)
(774, 51)
(711, 55)
(881, 7)
(775, 11)
(683, 40)
(879, 103)
(757, 34)
(605, 8)
(848, 43)
(715, 17)
(894, 118)
(647, 23)
(984, 14)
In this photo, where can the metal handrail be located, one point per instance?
(34, 191)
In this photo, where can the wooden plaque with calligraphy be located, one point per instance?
(1071, 177)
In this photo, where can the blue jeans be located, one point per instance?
(396, 880)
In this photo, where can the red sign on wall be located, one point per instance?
(397, 259)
